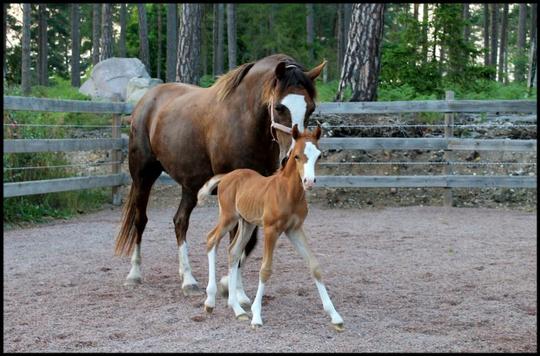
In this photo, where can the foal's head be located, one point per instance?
(293, 98)
(305, 154)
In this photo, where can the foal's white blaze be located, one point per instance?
(297, 107)
(312, 154)
(185, 268)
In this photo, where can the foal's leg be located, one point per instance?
(270, 237)
(212, 243)
(298, 239)
(224, 281)
(235, 253)
(181, 223)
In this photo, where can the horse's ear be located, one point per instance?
(280, 70)
(295, 132)
(315, 72)
(318, 132)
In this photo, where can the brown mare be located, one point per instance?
(194, 133)
(278, 204)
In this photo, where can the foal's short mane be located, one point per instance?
(294, 76)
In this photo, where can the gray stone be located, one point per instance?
(137, 87)
(109, 78)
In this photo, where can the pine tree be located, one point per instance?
(75, 46)
(106, 33)
(189, 44)
(172, 42)
(502, 49)
(25, 66)
(96, 31)
(231, 34)
(122, 52)
(144, 51)
(42, 65)
(361, 65)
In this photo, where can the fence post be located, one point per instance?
(116, 156)
(448, 133)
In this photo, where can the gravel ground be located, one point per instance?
(414, 279)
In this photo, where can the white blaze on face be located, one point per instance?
(312, 153)
(297, 107)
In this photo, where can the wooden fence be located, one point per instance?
(448, 143)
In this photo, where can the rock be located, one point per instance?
(109, 78)
(137, 87)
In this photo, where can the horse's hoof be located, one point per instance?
(191, 290)
(208, 309)
(245, 304)
(243, 317)
(338, 327)
(133, 281)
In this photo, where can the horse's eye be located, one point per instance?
(296, 157)
(280, 108)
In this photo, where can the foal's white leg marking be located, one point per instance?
(185, 268)
(211, 289)
(327, 303)
(297, 107)
(240, 293)
(298, 240)
(233, 300)
(134, 275)
(257, 306)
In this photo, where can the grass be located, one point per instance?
(44, 207)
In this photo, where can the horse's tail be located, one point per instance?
(208, 187)
(127, 237)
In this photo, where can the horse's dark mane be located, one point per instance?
(294, 76)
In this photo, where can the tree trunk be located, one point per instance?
(75, 46)
(486, 35)
(96, 27)
(122, 52)
(533, 20)
(415, 11)
(189, 44)
(310, 32)
(221, 39)
(106, 32)
(158, 69)
(231, 34)
(361, 65)
(172, 41)
(466, 25)
(504, 25)
(522, 34)
(25, 60)
(43, 48)
(533, 68)
(425, 27)
(494, 36)
(217, 45)
(5, 39)
(340, 36)
(144, 51)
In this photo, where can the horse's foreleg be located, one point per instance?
(181, 223)
(236, 250)
(270, 238)
(298, 239)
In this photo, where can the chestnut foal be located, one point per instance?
(278, 204)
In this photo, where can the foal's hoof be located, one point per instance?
(191, 290)
(133, 281)
(255, 326)
(338, 327)
(245, 304)
(243, 317)
(223, 291)
(208, 309)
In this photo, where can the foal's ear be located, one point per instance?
(315, 72)
(295, 132)
(280, 70)
(318, 132)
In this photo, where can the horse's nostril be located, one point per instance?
(305, 180)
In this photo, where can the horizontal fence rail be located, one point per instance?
(62, 184)
(63, 145)
(443, 106)
(118, 178)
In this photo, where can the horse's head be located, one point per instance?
(292, 101)
(306, 153)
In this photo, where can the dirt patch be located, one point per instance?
(414, 279)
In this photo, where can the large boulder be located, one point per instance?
(137, 87)
(109, 78)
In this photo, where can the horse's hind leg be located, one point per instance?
(141, 186)
(181, 223)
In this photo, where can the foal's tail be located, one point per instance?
(127, 237)
(208, 187)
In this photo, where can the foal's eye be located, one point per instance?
(296, 157)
